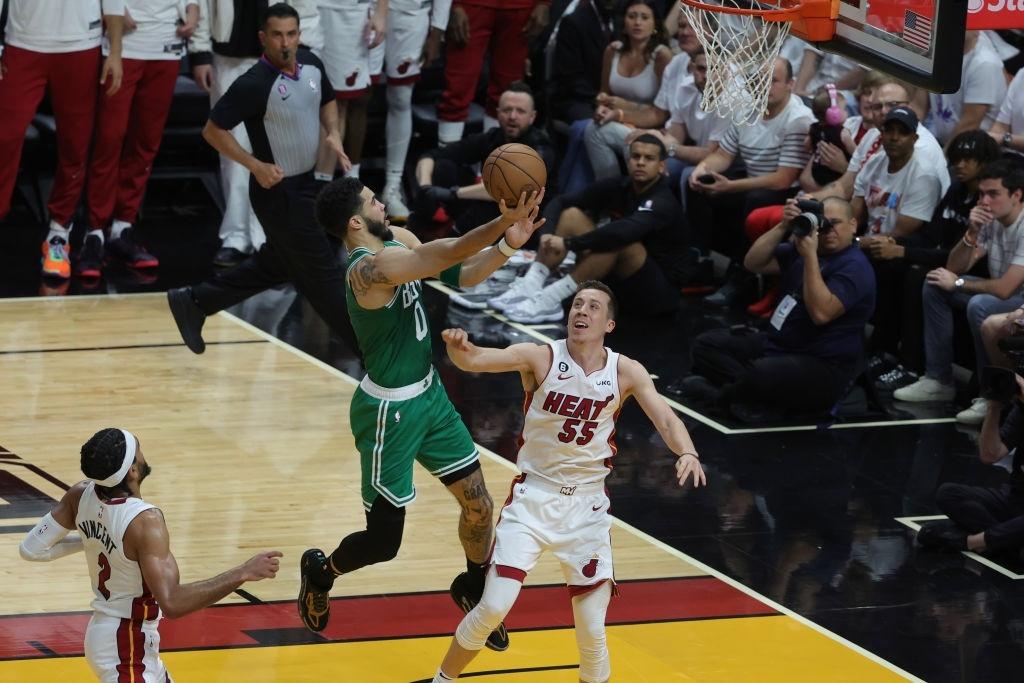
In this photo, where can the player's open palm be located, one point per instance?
(688, 466)
(262, 566)
(456, 339)
(525, 216)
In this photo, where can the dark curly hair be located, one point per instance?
(102, 455)
(337, 203)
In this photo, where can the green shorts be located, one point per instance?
(391, 434)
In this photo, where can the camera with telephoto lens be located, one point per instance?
(811, 218)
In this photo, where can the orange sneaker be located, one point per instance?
(56, 258)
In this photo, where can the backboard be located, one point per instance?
(920, 41)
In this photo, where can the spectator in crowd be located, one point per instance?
(643, 249)
(818, 68)
(129, 127)
(353, 34)
(447, 177)
(774, 151)
(502, 29)
(986, 519)
(575, 77)
(50, 44)
(828, 132)
(805, 360)
(630, 79)
(895, 192)
(998, 327)
(225, 45)
(414, 34)
(901, 263)
(982, 91)
(1008, 128)
(994, 232)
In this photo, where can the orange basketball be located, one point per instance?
(511, 170)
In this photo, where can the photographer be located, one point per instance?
(987, 519)
(807, 357)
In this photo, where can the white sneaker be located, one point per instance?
(395, 203)
(974, 415)
(924, 390)
(476, 297)
(516, 292)
(535, 309)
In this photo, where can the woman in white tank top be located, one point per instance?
(630, 78)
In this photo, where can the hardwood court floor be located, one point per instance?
(251, 449)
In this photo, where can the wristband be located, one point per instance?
(506, 250)
(696, 457)
(968, 243)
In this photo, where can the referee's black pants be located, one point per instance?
(998, 511)
(737, 362)
(297, 250)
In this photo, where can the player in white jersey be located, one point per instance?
(574, 391)
(135, 577)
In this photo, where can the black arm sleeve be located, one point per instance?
(245, 99)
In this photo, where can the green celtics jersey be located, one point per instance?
(394, 339)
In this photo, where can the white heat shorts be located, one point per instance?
(406, 33)
(571, 522)
(346, 55)
(124, 649)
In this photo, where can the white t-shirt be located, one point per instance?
(774, 142)
(704, 127)
(982, 83)
(671, 78)
(914, 191)
(155, 36)
(57, 26)
(1004, 246)
(831, 67)
(1012, 111)
(927, 150)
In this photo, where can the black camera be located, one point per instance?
(811, 218)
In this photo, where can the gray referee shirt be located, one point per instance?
(281, 112)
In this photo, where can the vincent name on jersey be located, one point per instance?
(93, 529)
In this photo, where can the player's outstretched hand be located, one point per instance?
(687, 465)
(262, 566)
(525, 216)
(457, 339)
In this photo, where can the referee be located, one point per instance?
(283, 100)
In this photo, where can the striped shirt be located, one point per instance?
(771, 143)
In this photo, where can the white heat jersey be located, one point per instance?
(568, 436)
(116, 581)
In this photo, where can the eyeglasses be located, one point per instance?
(879, 106)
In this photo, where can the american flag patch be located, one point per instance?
(917, 30)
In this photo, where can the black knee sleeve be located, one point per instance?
(378, 543)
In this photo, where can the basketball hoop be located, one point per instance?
(742, 38)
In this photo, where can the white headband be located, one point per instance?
(130, 444)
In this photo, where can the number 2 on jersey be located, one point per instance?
(569, 428)
(101, 578)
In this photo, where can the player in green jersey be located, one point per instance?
(400, 413)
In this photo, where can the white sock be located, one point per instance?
(117, 227)
(95, 232)
(324, 177)
(560, 289)
(489, 122)
(397, 133)
(441, 677)
(535, 276)
(449, 131)
(58, 230)
(353, 172)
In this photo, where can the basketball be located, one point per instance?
(511, 170)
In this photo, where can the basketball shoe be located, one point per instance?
(395, 203)
(314, 601)
(126, 248)
(467, 593)
(188, 317)
(56, 258)
(89, 263)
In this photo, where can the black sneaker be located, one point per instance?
(128, 251)
(228, 257)
(188, 317)
(89, 261)
(466, 595)
(896, 378)
(942, 535)
(314, 601)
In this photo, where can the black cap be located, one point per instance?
(904, 115)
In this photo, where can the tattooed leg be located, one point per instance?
(476, 530)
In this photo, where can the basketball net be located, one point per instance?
(741, 49)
